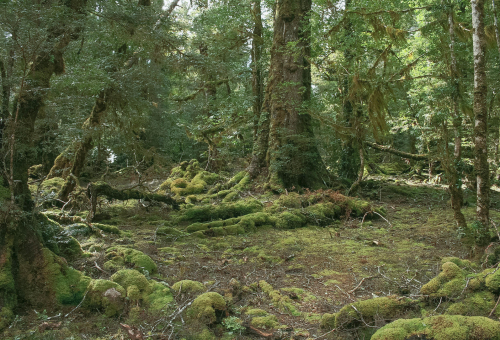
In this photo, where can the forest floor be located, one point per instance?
(320, 269)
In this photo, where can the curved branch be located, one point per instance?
(383, 148)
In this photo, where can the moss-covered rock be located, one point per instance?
(189, 287)
(449, 283)
(107, 228)
(131, 277)
(456, 327)
(328, 321)
(373, 310)
(206, 307)
(141, 261)
(56, 238)
(477, 304)
(265, 322)
(78, 229)
(291, 220)
(492, 280)
(323, 213)
(256, 312)
(159, 297)
(106, 296)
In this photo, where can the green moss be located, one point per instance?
(492, 280)
(68, 284)
(189, 287)
(140, 260)
(456, 327)
(106, 296)
(478, 304)
(6, 317)
(4, 193)
(131, 277)
(169, 231)
(78, 229)
(449, 283)
(450, 271)
(107, 228)
(160, 297)
(244, 184)
(323, 213)
(56, 238)
(385, 308)
(256, 312)
(205, 334)
(197, 227)
(238, 177)
(204, 307)
(265, 322)
(292, 201)
(290, 220)
(460, 263)
(51, 187)
(328, 321)
(7, 282)
(232, 196)
(222, 211)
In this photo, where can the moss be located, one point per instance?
(290, 220)
(140, 260)
(256, 312)
(131, 277)
(205, 334)
(456, 327)
(189, 287)
(238, 177)
(4, 193)
(243, 184)
(384, 308)
(107, 228)
(204, 307)
(492, 280)
(56, 239)
(449, 283)
(450, 271)
(328, 321)
(265, 322)
(432, 286)
(105, 295)
(222, 211)
(51, 187)
(197, 227)
(478, 304)
(169, 231)
(78, 229)
(159, 298)
(232, 196)
(7, 282)
(460, 263)
(323, 213)
(292, 201)
(6, 317)
(68, 284)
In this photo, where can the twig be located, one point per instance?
(78, 304)
(494, 308)
(440, 300)
(496, 228)
(323, 335)
(365, 278)
(97, 266)
(383, 218)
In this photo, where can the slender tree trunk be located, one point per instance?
(496, 124)
(82, 149)
(454, 183)
(481, 116)
(257, 83)
(294, 160)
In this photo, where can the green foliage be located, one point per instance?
(233, 324)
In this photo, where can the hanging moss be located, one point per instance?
(456, 327)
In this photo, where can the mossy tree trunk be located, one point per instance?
(82, 148)
(257, 81)
(453, 163)
(23, 264)
(481, 117)
(294, 159)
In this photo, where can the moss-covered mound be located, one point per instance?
(106, 296)
(222, 211)
(135, 283)
(372, 311)
(189, 287)
(208, 308)
(56, 238)
(456, 327)
(119, 256)
(189, 179)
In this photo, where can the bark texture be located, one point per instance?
(257, 82)
(481, 116)
(294, 159)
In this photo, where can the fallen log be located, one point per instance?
(418, 157)
(103, 189)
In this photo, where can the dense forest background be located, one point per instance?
(289, 109)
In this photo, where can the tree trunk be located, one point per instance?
(495, 125)
(454, 181)
(257, 83)
(82, 148)
(481, 117)
(27, 270)
(294, 157)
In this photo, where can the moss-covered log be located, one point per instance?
(418, 157)
(103, 189)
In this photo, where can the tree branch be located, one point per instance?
(383, 148)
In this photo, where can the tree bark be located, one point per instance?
(388, 149)
(454, 181)
(24, 263)
(294, 160)
(495, 125)
(481, 117)
(257, 81)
